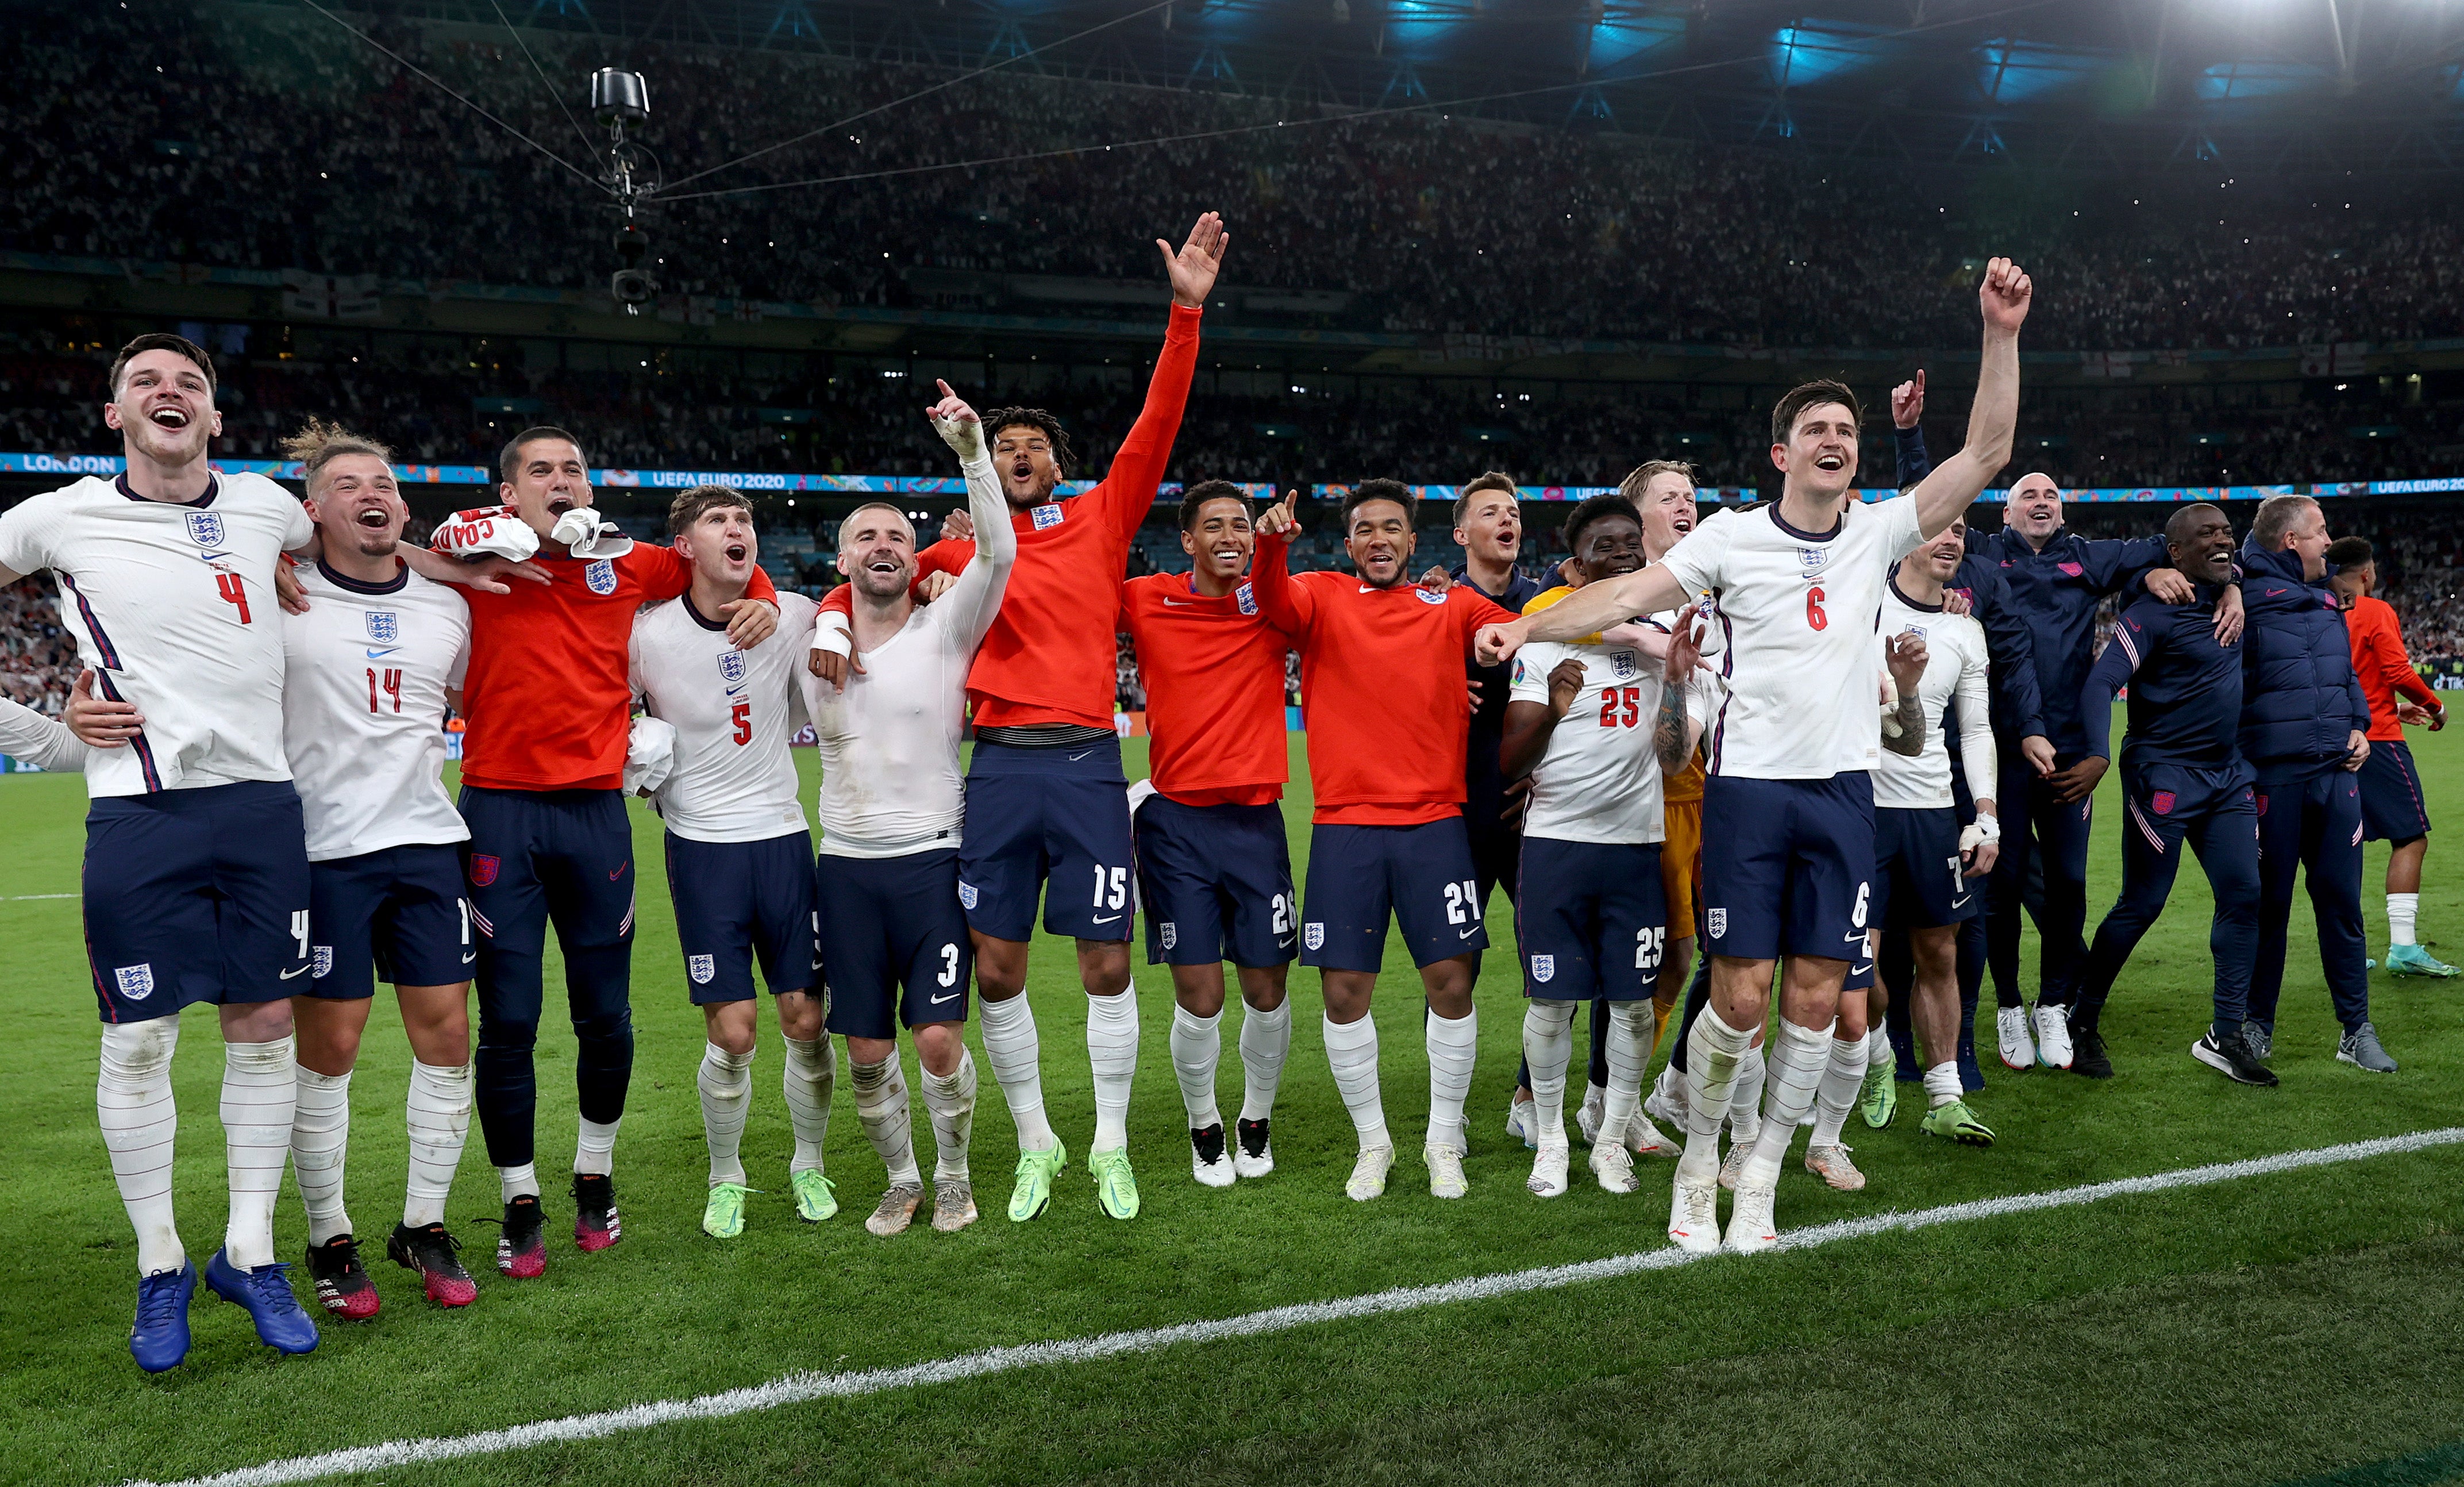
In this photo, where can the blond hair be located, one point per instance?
(319, 444)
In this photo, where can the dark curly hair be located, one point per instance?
(1064, 454)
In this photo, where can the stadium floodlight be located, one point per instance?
(1808, 53)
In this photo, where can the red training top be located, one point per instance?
(1050, 656)
(547, 693)
(2385, 670)
(1381, 687)
(1213, 671)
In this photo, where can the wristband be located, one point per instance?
(830, 634)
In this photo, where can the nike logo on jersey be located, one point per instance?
(467, 959)
(379, 655)
(938, 1000)
(1960, 903)
(1183, 604)
(1283, 943)
(1465, 934)
(1082, 754)
(1106, 918)
(301, 972)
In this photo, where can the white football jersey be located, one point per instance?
(1957, 670)
(45, 743)
(365, 676)
(890, 784)
(173, 608)
(1795, 612)
(1598, 780)
(734, 711)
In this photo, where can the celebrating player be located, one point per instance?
(549, 700)
(1045, 787)
(1215, 873)
(891, 808)
(1926, 859)
(2305, 732)
(1382, 678)
(2392, 797)
(196, 872)
(740, 858)
(2182, 779)
(369, 669)
(1796, 585)
(1489, 527)
(1594, 923)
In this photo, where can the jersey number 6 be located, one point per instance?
(1814, 618)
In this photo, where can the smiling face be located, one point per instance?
(164, 408)
(2201, 541)
(2308, 537)
(1492, 526)
(1668, 511)
(1609, 546)
(1820, 456)
(1022, 455)
(549, 480)
(877, 551)
(2035, 507)
(358, 506)
(1220, 542)
(721, 546)
(1939, 559)
(1380, 540)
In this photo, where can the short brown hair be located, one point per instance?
(689, 504)
(1367, 490)
(1640, 477)
(1063, 455)
(2275, 518)
(509, 458)
(1489, 480)
(319, 444)
(2348, 553)
(1193, 499)
(161, 341)
(1804, 395)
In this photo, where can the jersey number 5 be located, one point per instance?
(741, 716)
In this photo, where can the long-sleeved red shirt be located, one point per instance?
(2385, 670)
(546, 694)
(1381, 687)
(1050, 656)
(1214, 672)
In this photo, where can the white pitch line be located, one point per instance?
(27, 897)
(797, 1388)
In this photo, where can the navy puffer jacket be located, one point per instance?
(2300, 700)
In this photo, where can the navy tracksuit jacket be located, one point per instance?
(2184, 782)
(2301, 706)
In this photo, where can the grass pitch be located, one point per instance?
(2302, 1327)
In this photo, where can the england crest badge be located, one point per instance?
(701, 967)
(483, 869)
(601, 576)
(384, 627)
(321, 962)
(1047, 517)
(967, 895)
(1543, 968)
(1716, 920)
(1248, 599)
(1168, 934)
(1315, 936)
(731, 666)
(205, 528)
(136, 982)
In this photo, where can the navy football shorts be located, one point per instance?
(197, 895)
(1048, 816)
(1216, 884)
(396, 915)
(1919, 882)
(895, 942)
(1787, 867)
(1592, 921)
(1358, 874)
(2392, 808)
(737, 901)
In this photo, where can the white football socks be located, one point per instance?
(1878, 1047)
(1713, 1051)
(260, 1095)
(320, 1134)
(1197, 1048)
(1265, 1038)
(516, 1182)
(1548, 1047)
(1746, 1096)
(1113, 1059)
(726, 1084)
(1008, 1029)
(2403, 910)
(1837, 1095)
(438, 1116)
(594, 1149)
(812, 1072)
(950, 1100)
(1632, 1029)
(881, 1108)
(1453, 1045)
(132, 1097)
(1352, 1054)
(1796, 1069)
(1941, 1085)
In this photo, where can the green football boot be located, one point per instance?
(1879, 1098)
(1114, 1187)
(1033, 1192)
(1955, 1122)
(816, 1198)
(2412, 959)
(722, 1217)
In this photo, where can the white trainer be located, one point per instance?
(1694, 1218)
(1587, 1118)
(1369, 1174)
(1751, 1230)
(2053, 1036)
(1831, 1164)
(1666, 1100)
(1250, 1164)
(1208, 1160)
(1614, 1169)
(2019, 1045)
(1734, 1162)
(1548, 1171)
(1647, 1140)
(1523, 1120)
(1446, 1173)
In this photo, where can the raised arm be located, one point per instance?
(1908, 430)
(977, 593)
(1944, 495)
(1586, 610)
(1129, 488)
(1287, 605)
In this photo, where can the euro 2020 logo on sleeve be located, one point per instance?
(205, 528)
(601, 576)
(701, 967)
(731, 667)
(384, 626)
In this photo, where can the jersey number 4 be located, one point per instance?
(235, 591)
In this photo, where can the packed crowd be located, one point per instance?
(1412, 222)
(38, 660)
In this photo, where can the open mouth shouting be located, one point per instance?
(736, 552)
(1831, 461)
(170, 416)
(372, 519)
(558, 504)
